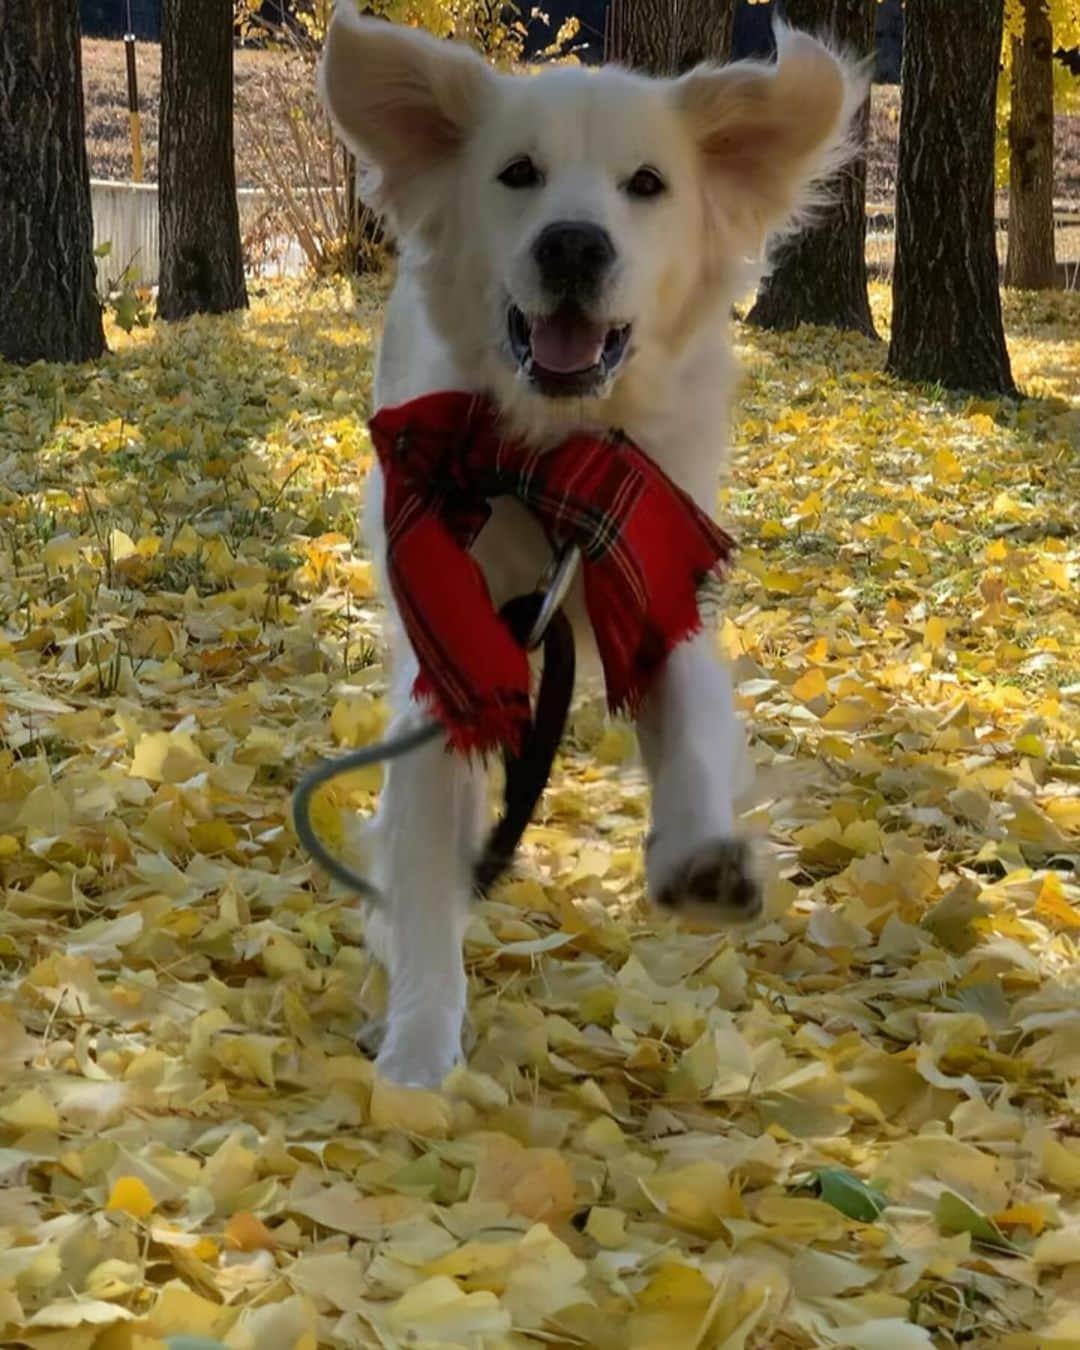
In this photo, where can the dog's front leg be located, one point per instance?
(426, 839)
(689, 738)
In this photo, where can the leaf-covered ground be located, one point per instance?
(854, 1124)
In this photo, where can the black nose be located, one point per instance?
(573, 256)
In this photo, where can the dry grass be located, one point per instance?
(110, 149)
(105, 92)
(885, 134)
(881, 248)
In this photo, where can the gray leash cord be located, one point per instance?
(334, 768)
(554, 585)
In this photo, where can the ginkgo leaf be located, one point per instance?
(80, 1312)
(956, 1215)
(30, 1110)
(811, 685)
(244, 1232)
(534, 1182)
(409, 1109)
(1060, 1248)
(438, 1311)
(132, 1196)
(851, 1196)
(164, 757)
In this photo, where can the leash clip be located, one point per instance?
(553, 585)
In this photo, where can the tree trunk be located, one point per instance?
(49, 308)
(819, 275)
(1029, 264)
(947, 325)
(202, 268)
(667, 37)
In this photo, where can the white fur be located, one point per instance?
(739, 148)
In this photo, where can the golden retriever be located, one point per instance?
(571, 243)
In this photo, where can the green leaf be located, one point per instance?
(103, 250)
(126, 310)
(845, 1192)
(956, 1215)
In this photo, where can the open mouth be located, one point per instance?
(566, 354)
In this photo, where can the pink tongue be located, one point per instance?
(566, 342)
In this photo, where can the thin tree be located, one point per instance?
(1029, 264)
(819, 275)
(667, 37)
(202, 267)
(49, 307)
(947, 325)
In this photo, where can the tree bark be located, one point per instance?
(202, 267)
(947, 325)
(1029, 264)
(49, 307)
(667, 37)
(819, 275)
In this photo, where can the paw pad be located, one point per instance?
(718, 881)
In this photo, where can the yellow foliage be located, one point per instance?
(847, 1125)
(496, 29)
(132, 1196)
(1065, 23)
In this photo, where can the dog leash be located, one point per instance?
(536, 620)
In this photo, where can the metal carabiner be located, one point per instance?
(556, 581)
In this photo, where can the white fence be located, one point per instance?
(126, 217)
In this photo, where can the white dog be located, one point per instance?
(571, 244)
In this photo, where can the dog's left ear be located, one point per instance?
(767, 133)
(404, 102)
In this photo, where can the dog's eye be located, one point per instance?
(646, 182)
(520, 173)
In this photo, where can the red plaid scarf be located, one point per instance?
(646, 548)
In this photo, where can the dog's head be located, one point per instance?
(573, 226)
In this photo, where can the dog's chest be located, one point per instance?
(513, 552)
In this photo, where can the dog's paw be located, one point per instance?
(718, 882)
(371, 1036)
(415, 1054)
(413, 1068)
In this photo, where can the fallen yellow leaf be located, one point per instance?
(131, 1195)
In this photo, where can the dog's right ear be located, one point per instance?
(767, 132)
(402, 101)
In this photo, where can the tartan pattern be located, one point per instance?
(647, 550)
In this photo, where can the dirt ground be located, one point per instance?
(110, 149)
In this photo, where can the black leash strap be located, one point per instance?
(527, 772)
